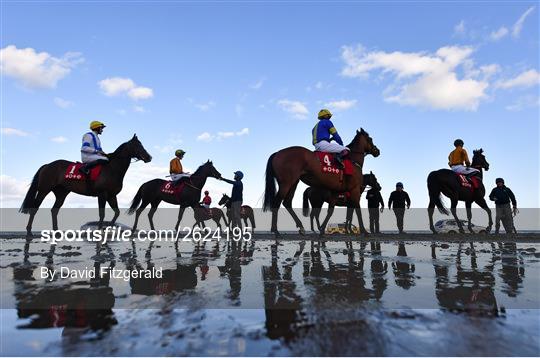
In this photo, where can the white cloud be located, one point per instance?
(460, 29)
(117, 86)
(518, 26)
(14, 131)
(499, 34)
(205, 137)
(257, 85)
(523, 103)
(341, 105)
(525, 79)
(164, 148)
(62, 103)
(59, 139)
(296, 108)
(244, 131)
(36, 69)
(12, 191)
(421, 79)
(205, 107)
(139, 109)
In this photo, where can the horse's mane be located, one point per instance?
(201, 166)
(119, 150)
(358, 133)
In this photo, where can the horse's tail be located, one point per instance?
(29, 199)
(270, 190)
(435, 193)
(305, 202)
(136, 201)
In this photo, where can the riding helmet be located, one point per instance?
(458, 142)
(324, 114)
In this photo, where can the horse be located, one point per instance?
(202, 214)
(445, 181)
(151, 193)
(290, 165)
(318, 196)
(246, 211)
(50, 177)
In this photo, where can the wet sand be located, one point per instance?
(410, 295)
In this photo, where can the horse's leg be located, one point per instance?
(60, 194)
(482, 203)
(355, 200)
(348, 220)
(454, 214)
(431, 210)
(154, 206)
(322, 228)
(113, 203)
(138, 213)
(180, 214)
(102, 199)
(287, 203)
(468, 205)
(37, 202)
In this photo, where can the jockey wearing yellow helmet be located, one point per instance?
(91, 151)
(175, 166)
(326, 137)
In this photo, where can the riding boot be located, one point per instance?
(339, 158)
(84, 169)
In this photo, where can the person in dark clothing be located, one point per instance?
(399, 198)
(502, 196)
(374, 199)
(236, 198)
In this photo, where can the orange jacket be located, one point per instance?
(458, 156)
(175, 166)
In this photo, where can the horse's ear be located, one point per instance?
(357, 131)
(134, 135)
(370, 172)
(362, 131)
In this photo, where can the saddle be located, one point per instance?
(472, 182)
(329, 164)
(170, 188)
(73, 172)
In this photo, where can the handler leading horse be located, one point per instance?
(290, 165)
(50, 177)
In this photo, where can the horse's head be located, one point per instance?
(135, 149)
(371, 180)
(209, 170)
(363, 143)
(224, 199)
(479, 160)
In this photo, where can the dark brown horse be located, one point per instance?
(445, 181)
(290, 165)
(202, 214)
(50, 177)
(151, 193)
(246, 211)
(318, 196)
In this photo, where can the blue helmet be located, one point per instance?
(239, 174)
(399, 185)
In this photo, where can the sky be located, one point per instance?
(236, 81)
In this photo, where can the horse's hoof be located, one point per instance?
(302, 231)
(277, 235)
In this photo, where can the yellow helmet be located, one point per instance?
(96, 125)
(324, 114)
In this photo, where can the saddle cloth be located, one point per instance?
(73, 172)
(473, 184)
(329, 164)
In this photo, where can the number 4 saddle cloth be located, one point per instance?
(73, 172)
(329, 164)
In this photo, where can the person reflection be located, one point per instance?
(513, 269)
(403, 269)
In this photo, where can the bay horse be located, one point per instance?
(445, 181)
(50, 177)
(318, 196)
(290, 165)
(246, 211)
(201, 214)
(151, 193)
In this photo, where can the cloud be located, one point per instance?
(296, 108)
(257, 85)
(523, 103)
(341, 105)
(139, 109)
(36, 70)
(164, 148)
(119, 86)
(460, 29)
(205, 107)
(208, 137)
(421, 79)
(518, 26)
(499, 34)
(12, 191)
(59, 139)
(62, 103)
(205, 137)
(14, 132)
(525, 79)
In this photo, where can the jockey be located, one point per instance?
(175, 167)
(207, 200)
(458, 157)
(322, 132)
(91, 152)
